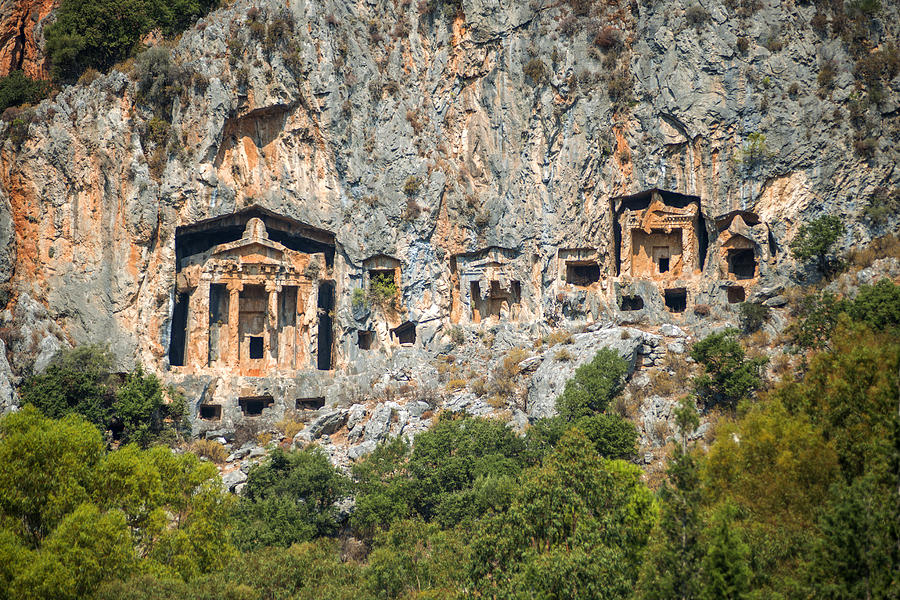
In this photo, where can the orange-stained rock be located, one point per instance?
(21, 25)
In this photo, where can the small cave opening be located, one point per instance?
(310, 403)
(663, 264)
(210, 412)
(253, 406)
(736, 294)
(632, 303)
(676, 300)
(582, 273)
(364, 339)
(325, 307)
(742, 263)
(178, 338)
(406, 333)
(256, 347)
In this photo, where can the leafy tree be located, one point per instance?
(414, 557)
(675, 558)
(289, 498)
(75, 381)
(729, 376)
(16, 89)
(577, 529)
(815, 239)
(851, 392)
(79, 381)
(382, 487)
(612, 436)
(46, 469)
(725, 570)
(99, 33)
(87, 548)
(857, 555)
(141, 412)
(877, 305)
(816, 316)
(594, 386)
(447, 461)
(774, 468)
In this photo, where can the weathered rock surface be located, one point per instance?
(517, 131)
(21, 36)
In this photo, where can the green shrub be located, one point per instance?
(79, 381)
(753, 315)
(289, 498)
(158, 79)
(382, 289)
(729, 376)
(877, 305)
(16, 89)
(815, 239)
(359, 300)
(100, 33)
(594, 386)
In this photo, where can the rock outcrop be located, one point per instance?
(458, 150)
(21, 36)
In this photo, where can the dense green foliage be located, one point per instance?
(728, 375)
(817, 315)
(99, 33)
(73, 515)
(17, 89)
(79, 381)
(594, 386)
(815, 239)
(289, 498)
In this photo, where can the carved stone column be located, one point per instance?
(232, 356)
(270, 339)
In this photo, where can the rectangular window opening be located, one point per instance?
(632, 303)
(736, 294)
(406, 333)
(364, 339)
(210, 412)
(256, 346)
(676, 300)
(663, 265)
(254, 405)
(310, 403)
(742, 263)
(582, 274)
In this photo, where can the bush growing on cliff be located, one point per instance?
(815, 239)
(594, 386)
(729, 376)
(16, 89)
(100, 33)
(288, 499)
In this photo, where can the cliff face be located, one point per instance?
(422, 134)
(21, 26)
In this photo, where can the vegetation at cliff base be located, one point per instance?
(795, 496)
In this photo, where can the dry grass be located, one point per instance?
(263, 438)
(209, 449)
(289, 426)
(557, 337)
(563, 355)
(883, 247)
(456, 384)
(496, 401)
